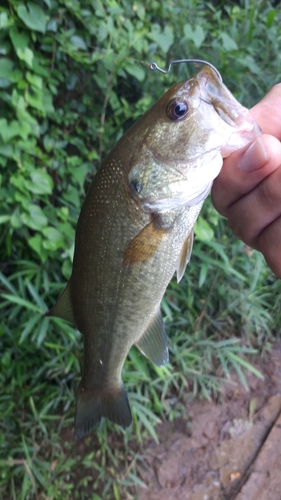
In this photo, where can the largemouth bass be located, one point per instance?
(136, 229)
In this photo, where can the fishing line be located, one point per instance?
(153, 66)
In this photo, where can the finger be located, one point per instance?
(243, 170)
(267, 112)
(253, 213)
(269, 243)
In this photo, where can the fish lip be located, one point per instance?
(227, 119)
(201, 196)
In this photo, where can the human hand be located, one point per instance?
(248, 189)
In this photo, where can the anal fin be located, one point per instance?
(185, 255)
(63, 307)
(153, 343)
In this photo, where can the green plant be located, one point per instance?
(73, 78)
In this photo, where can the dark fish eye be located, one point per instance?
(177, 109)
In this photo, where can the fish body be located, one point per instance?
(135, 230)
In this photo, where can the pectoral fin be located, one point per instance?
(63, 308)
(145, 243)
(153, 343)
(185, 255)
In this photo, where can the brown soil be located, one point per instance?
(228, 451)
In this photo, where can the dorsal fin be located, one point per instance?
(63, 308)
(153, 343)
(185, 255)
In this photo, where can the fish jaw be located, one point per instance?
(243, 129)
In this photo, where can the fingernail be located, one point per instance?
(255, 157)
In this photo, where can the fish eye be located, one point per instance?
(177, 109)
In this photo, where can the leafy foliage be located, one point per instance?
(73, 77)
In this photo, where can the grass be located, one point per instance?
(216, 319)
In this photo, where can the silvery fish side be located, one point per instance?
(135, 230)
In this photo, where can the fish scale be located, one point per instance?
(135, 230)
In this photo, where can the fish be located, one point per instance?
(135, 230)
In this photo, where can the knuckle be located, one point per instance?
(269, 191)
(269, 243)
(236, 228)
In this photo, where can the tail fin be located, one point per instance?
(92, 405)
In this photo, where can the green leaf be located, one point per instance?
(54, 239)
(188, 31)
(36, 218)
(35, 98)
(78, 42)
(26, 55)
(139, 10)
(6, 359)
(41, 182)
(48, 102)
(32, 322)
(19, 40)
(6, 150)
(203, 273)
(4, 83)
(52, 25)
(33, 16)
(27, 122)
(10, 130)
(270, 18)
(203, 230)
(4, 218)
(8, 71)
(21, 302)
(252, 65)
(79, 173)
(228, 42)
(5, 20)
(18, 100)
(165, 39)
(36, 243)
(198, 36)
(35, 80)
(136, 70)
(234, 358)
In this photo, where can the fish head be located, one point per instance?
(182, 141)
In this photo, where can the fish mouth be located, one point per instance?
(219, 109)
(216, 94)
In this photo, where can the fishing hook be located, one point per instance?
(154, 66)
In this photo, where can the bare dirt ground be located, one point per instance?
(229, 450)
